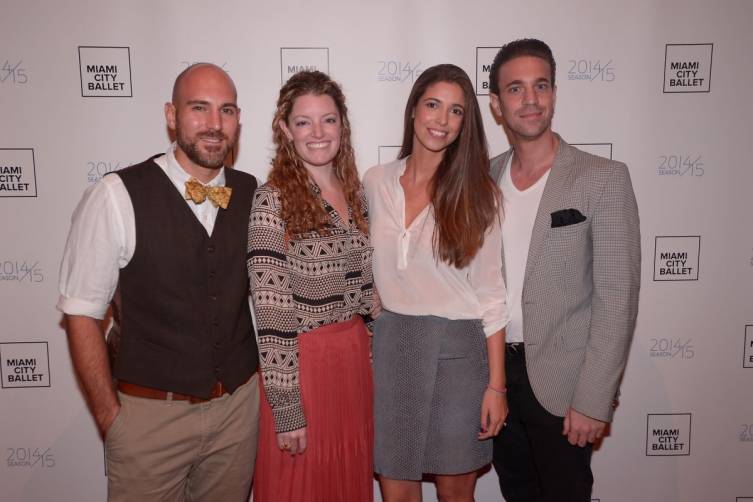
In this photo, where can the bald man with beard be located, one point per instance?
(178, 408)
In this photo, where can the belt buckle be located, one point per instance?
(218, 390)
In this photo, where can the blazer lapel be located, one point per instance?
(497, 170)
(551, 201)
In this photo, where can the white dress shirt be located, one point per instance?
(408, 277)
(102, 238)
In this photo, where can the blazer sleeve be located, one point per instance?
(614, 305)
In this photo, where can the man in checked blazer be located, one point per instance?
(571, 246)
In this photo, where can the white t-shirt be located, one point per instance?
(517, 226)
(407, 276)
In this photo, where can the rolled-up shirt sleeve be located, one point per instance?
(100, 242)
(485, 275)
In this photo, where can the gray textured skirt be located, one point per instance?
(430, 375)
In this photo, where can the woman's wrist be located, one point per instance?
(499, 389)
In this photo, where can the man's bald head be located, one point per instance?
(205, 117)
(197, 71)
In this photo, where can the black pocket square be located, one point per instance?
(565, 217)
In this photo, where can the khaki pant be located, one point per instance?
(167, 451)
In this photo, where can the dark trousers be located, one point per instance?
(534, 461)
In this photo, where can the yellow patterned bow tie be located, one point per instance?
(219, 196)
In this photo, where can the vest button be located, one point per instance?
(212, 274)
(216, 345)
(217, 370)
(213, 297)
(210, 248)
(215, 323)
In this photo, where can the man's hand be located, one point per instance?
(293, 442)
(581, 429)
(91, 362)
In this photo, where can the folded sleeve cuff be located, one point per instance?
(76, 306)
(493, 327)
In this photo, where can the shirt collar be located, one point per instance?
(402, 164)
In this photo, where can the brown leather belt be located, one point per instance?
(132, 389)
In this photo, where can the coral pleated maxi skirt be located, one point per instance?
(337, 392)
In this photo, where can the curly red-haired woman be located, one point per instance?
(310, 267)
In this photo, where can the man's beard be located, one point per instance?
(210, 159)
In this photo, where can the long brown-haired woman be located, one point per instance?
(311, 282)
(438, 345)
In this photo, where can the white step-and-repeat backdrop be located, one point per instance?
(664, 86)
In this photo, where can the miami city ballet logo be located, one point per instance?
(676, 258)
(295, 59)
(668, 434)
(687, 67)
(24, 364)
(18, 176)
(105, 72)
(484, 59)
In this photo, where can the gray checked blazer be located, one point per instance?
(580, 291)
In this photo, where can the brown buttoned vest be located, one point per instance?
(185, 317)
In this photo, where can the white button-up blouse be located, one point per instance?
(408, 277)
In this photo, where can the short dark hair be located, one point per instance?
(515, 49)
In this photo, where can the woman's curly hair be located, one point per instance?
(301, 210)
